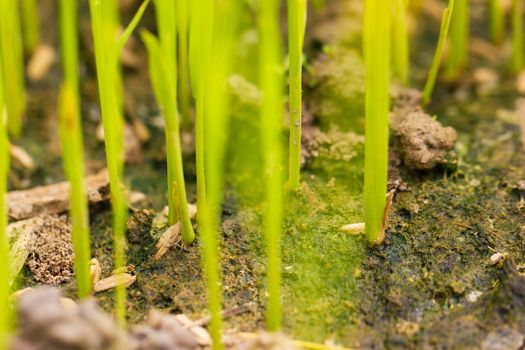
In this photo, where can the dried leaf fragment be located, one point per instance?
(354, 229)
(121, 279)
(169, 238)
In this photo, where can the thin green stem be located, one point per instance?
(377, 59)
(204, 46)
(30, 25)
(226, 19)
(438, 54)
(400, 47)
(296, 28)
(459, 32)
(72, 145)
(497, 21)
(12, 65)
(184, 75)
(517, 36)
(5, 314)
(271, 80)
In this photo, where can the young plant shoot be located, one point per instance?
(497, 21)
(183, 14)
(5, 307)
(459, 33)
(226, 19)
(202, 17)
(271, 79)
(400, 47)
(30, 25)
(163, 72)
(517, 36)
(438, 54)
(296, 28)
(72, 145)
(12, 65)
(377, 60)
(107, 50)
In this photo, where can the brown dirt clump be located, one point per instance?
(422, 141)
(46, 322)
(165, 331)
(51, 257)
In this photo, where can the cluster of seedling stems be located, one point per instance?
(193, 37)
(107, 53)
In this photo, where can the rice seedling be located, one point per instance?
(72, 145)
(226, 19)
(400, 46)
(12, 65)
(377, 60)
(459, 33)
(5, 277)
(107, 50)
(163, 72)
(517, 36)
(271, 78)
(497, 21)
(30, 25)
(296, 28)
(438, 54)
(183, 14)
(202, 27)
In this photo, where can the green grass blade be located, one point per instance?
(438, 54)
(30, 24)
(497, 21)
(131, 27)
(203, 49)
(517, 36)
(72, 145)
(73, 158)
(400, 47)
(5, 314)
(296, 29)
(377, 59)
(459, 33)
(183, 14)
(271, 80)
(12, 64)
(216, 133)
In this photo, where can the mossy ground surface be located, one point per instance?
(411, 292)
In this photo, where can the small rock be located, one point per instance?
(41, 61)
(473, 296)
(497, 258)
